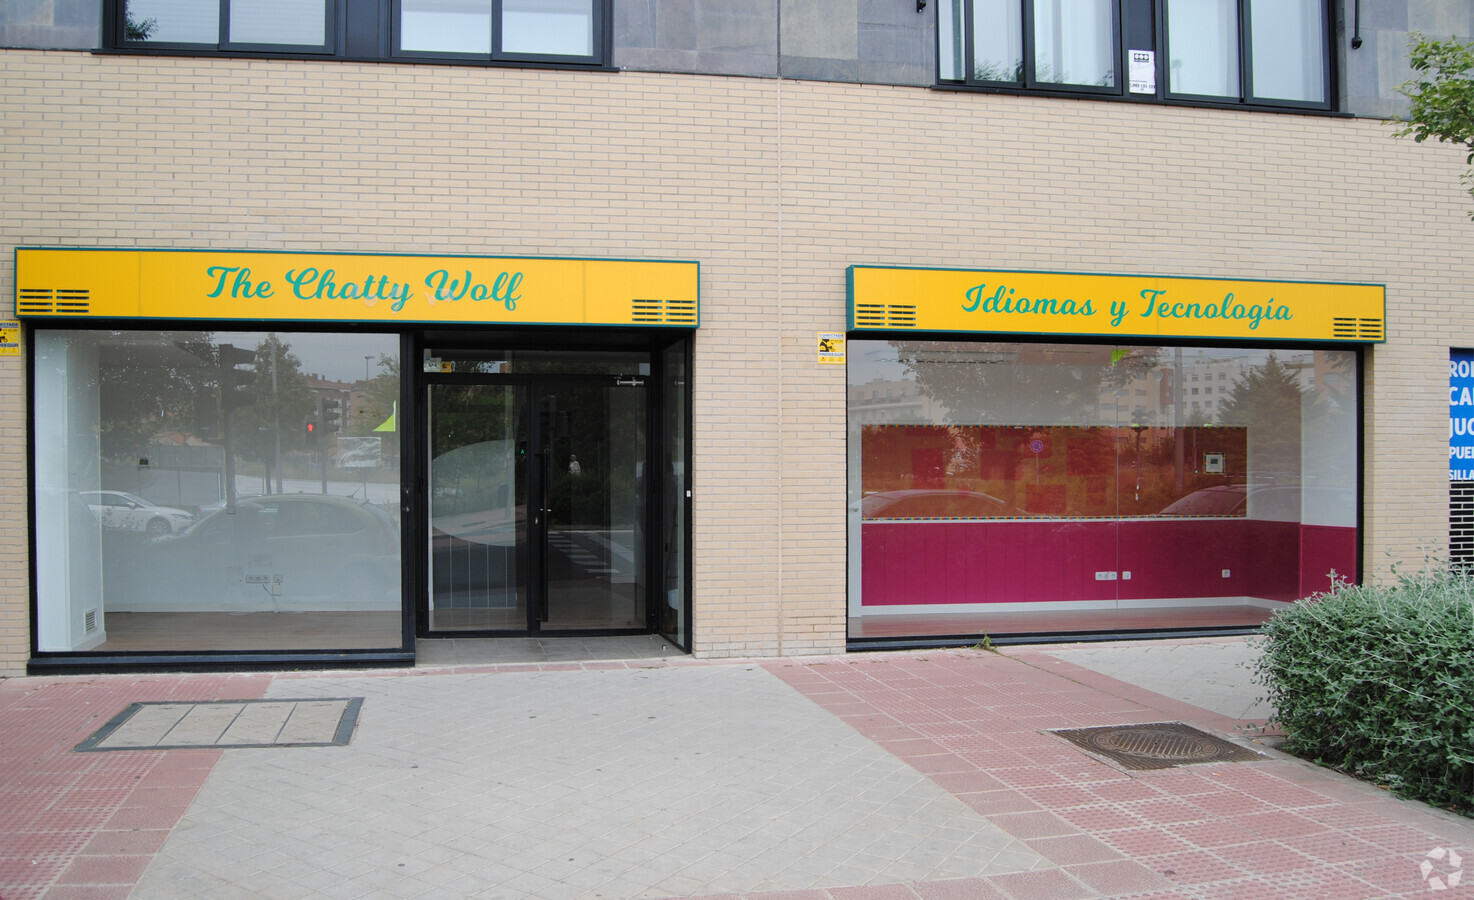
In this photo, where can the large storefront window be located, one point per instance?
(1007, 488)
(213, 490)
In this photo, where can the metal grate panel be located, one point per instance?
(1160, 745)
(888, 315)
(232, 724)
(48, 302)
(1358, 329)
(663, 312)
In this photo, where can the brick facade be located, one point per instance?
(775, 186)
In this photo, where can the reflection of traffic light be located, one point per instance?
(332, 415)
(309, 429)
(235, 382)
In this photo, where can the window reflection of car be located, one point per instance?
(935, 503)
(130, 512)
(1219, 500)
(1274, 502)
(497, 526)
(288, 548)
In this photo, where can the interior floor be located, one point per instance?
(432, 652)
(590, 606)
(265, 630)
(1064, 621)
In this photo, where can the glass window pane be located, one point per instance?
(172, 21)
(1203, 47)
(1074, 42)
(1288, 46)
(549, 27)
(951, 50)
(478, 548)
(1000, 487)
(300, 23)
(174, 515)
(672, 621)
(445, 26)
(997, 40)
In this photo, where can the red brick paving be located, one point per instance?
(85, 825)
(1274, 828)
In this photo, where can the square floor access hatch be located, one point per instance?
(1158, 745)
(229, 724)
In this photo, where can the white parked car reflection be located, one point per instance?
(130, 512)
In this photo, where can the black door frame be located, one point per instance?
(415, 482)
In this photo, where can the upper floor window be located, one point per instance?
(494, 29)
(283, 25)
(1027, 43)
(537, 31)
(1260, 52)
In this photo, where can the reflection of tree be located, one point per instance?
(145, 391)
(1267, 399)
(280, 399)
(998, 70)
(136, 29)
(380, 393)
(1021, 384)
(486, 419)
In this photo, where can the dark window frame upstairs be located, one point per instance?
(1140, 25)
(360, 31)
(601, 13)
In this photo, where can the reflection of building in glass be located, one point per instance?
(1203, 382)
(901, 400)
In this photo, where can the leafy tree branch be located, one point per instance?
(1442, 95)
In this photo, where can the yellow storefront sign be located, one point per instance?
(323, 287)
(1113, 306)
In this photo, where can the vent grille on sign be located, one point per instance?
(663, 312)
(46, 302)
(1357, 329)
(889, 315)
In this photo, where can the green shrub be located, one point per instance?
(1378, 680)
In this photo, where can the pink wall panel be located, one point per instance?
(1052, 561)
(1273, 560)
(1182, 558)
(1323, 549)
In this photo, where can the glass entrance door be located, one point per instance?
(592, 440)
(536, 500)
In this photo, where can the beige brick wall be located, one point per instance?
(775, 187)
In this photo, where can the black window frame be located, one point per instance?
(1142, 25)
(600, 10)
(1029, 47)
(117, 29)
(360, 31)
(1246, 62)
(329, 35)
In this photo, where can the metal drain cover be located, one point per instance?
(1160, 745)
(232, 724)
